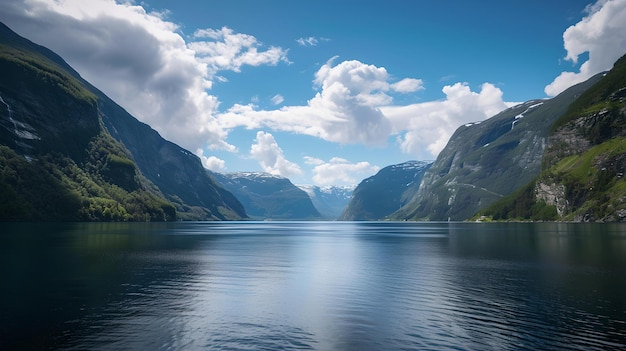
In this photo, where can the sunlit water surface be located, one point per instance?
(313, 286)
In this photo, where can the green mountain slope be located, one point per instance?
(67, 152)
(484, 162)
(582, 177)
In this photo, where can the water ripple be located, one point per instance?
(318, 286)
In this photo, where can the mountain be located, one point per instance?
(582, 177)
(382, 194)
(266, 196)
(68, 152)
(485, 161)
(330, 201)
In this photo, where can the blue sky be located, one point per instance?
(323, 92)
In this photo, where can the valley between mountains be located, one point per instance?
(70, 153)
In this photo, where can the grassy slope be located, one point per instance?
(75, 170)
(595, 188)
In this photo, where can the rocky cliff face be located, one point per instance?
(70, 153)
(380, 195)
(486, 161)
(586, 173)
(553, 194)
(582, 176)
(177, 173)
(586, 155)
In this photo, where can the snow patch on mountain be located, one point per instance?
(329, 200)
(521, 115)
(252, 175)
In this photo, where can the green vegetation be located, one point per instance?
(42, 70)
(69, 153)
(77, 171)
(586, 159)
(519, 206)
(54, 187)
(482, 163)
(593, 180)
(598, 96)
(594, 185)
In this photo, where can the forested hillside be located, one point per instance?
(67, 152)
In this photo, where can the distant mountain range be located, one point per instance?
(266, 196)
(330, 201)
(382, 194)
(68, 152)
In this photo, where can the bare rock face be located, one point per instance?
(382, 194)
(486, 161)
(553, 194)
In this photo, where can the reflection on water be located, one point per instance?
(313, 286)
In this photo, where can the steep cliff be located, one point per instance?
(486, 161)
(583, 167)
(382, 194)
(67, 152)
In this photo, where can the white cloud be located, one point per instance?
(313, 160)
(140, 60)
(601, 34)
(227, 50)
(310, 41)
(408, 85)
(339, 171)
(270, 156)
(277, 99)
(429, 125)
(347, 110)
(353, 107)
(212, 163)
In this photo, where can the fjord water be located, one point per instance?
(313, 286)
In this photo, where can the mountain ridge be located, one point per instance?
(380, 195)
(91, 149)
(483, 162)
(330, 201)
(582, 176)
(267, 196)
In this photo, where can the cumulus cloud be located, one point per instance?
(429, 125)
(271, 157)
(139, 59)
(144, 62)
(601, 35)
(408, 85)
(340, 171)
(223, 49)
(212, 163)
(354, 107)
(347, 110)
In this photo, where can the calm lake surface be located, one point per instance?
(313, 286)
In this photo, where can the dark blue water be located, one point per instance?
(313, 286)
